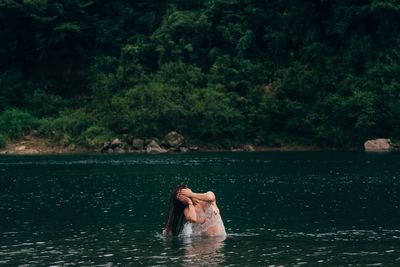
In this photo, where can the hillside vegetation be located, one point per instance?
(315, 72)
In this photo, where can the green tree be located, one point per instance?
(16, 123)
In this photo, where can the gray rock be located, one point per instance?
(105, 147)
(248, 148)
(154, 147)
(193, 148)
(147, 141)
(138, 144)
(183, 149)
(378, 145)
(174, 139)
(115, 143)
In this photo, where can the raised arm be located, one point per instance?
(189, 211)
(208, 196)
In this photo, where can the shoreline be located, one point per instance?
(39, 146)
(62, 151)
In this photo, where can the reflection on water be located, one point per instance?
(190, 251)
(204, 251)
(279, 209)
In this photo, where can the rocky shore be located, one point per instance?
(173, 142)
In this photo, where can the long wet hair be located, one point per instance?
(174, 219)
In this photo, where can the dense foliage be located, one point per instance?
(223, 71)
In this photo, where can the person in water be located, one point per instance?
(200, 211)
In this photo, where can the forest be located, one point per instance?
(226, 72)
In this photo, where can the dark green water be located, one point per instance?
(279, 209)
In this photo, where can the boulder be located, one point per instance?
(138, 144)
(154, 147)
(105, 147)
(115, 146)
(147, 141)
(174, 139)
(377, 145)
(193, 148)
(248, 148)
(183, 149)
(115, 143)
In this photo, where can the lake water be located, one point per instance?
(279, 209)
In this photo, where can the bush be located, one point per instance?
(16, 123)
(147, 110)
(154, 109)
(67, 128)
(94, 136)
(213, 116)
